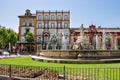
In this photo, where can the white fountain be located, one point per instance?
(82, 40)
(63, 42)
(103, 40)
(96, 41)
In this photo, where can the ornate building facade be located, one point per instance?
(100, 38)
(44, 24)
(27, 23)
(52, 23)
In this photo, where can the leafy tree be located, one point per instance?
(118, 46)
(107, 42)
(58, 46)
(3, 37)
(29, 38)
(49, 46)
(7, 36)
(53, 39)
(12, 37)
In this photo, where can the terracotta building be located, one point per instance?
(100, 38)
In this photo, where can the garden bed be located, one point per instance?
(27, 72)
(19, 73)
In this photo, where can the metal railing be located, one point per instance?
(21, 72)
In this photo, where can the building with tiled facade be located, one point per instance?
(43, 24)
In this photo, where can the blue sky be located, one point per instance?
(98, 12)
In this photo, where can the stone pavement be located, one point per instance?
(13, 55)
(23, 54)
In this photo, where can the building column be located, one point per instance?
(112, 42)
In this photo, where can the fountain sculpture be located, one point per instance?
(82, 42)
(103, 39)
(63, 42)
(82, 51)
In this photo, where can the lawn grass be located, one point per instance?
(29, 62)
(101, 70)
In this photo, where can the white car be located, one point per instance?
(6, 53)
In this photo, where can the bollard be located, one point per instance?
(64, 72)
(10, 72)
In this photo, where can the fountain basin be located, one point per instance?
(80, 54)
(74, 61)
(59, 54)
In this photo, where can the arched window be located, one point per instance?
(23, 39)
(52, 17)
(24, 23)
(46, 17)
(39, 17)
(59, 26)
(46, 25)
(30, 23)
(38, 33)
(39, 25)
(59, 17)
(52, 25)
(65, 25)
(39, 39)
(66, 33)
(65, 17)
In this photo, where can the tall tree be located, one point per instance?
(3, 37)
(7, 36)
(29, 38)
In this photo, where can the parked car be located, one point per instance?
(6, 53)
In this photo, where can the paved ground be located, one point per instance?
(11, 56)
(14, 54)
